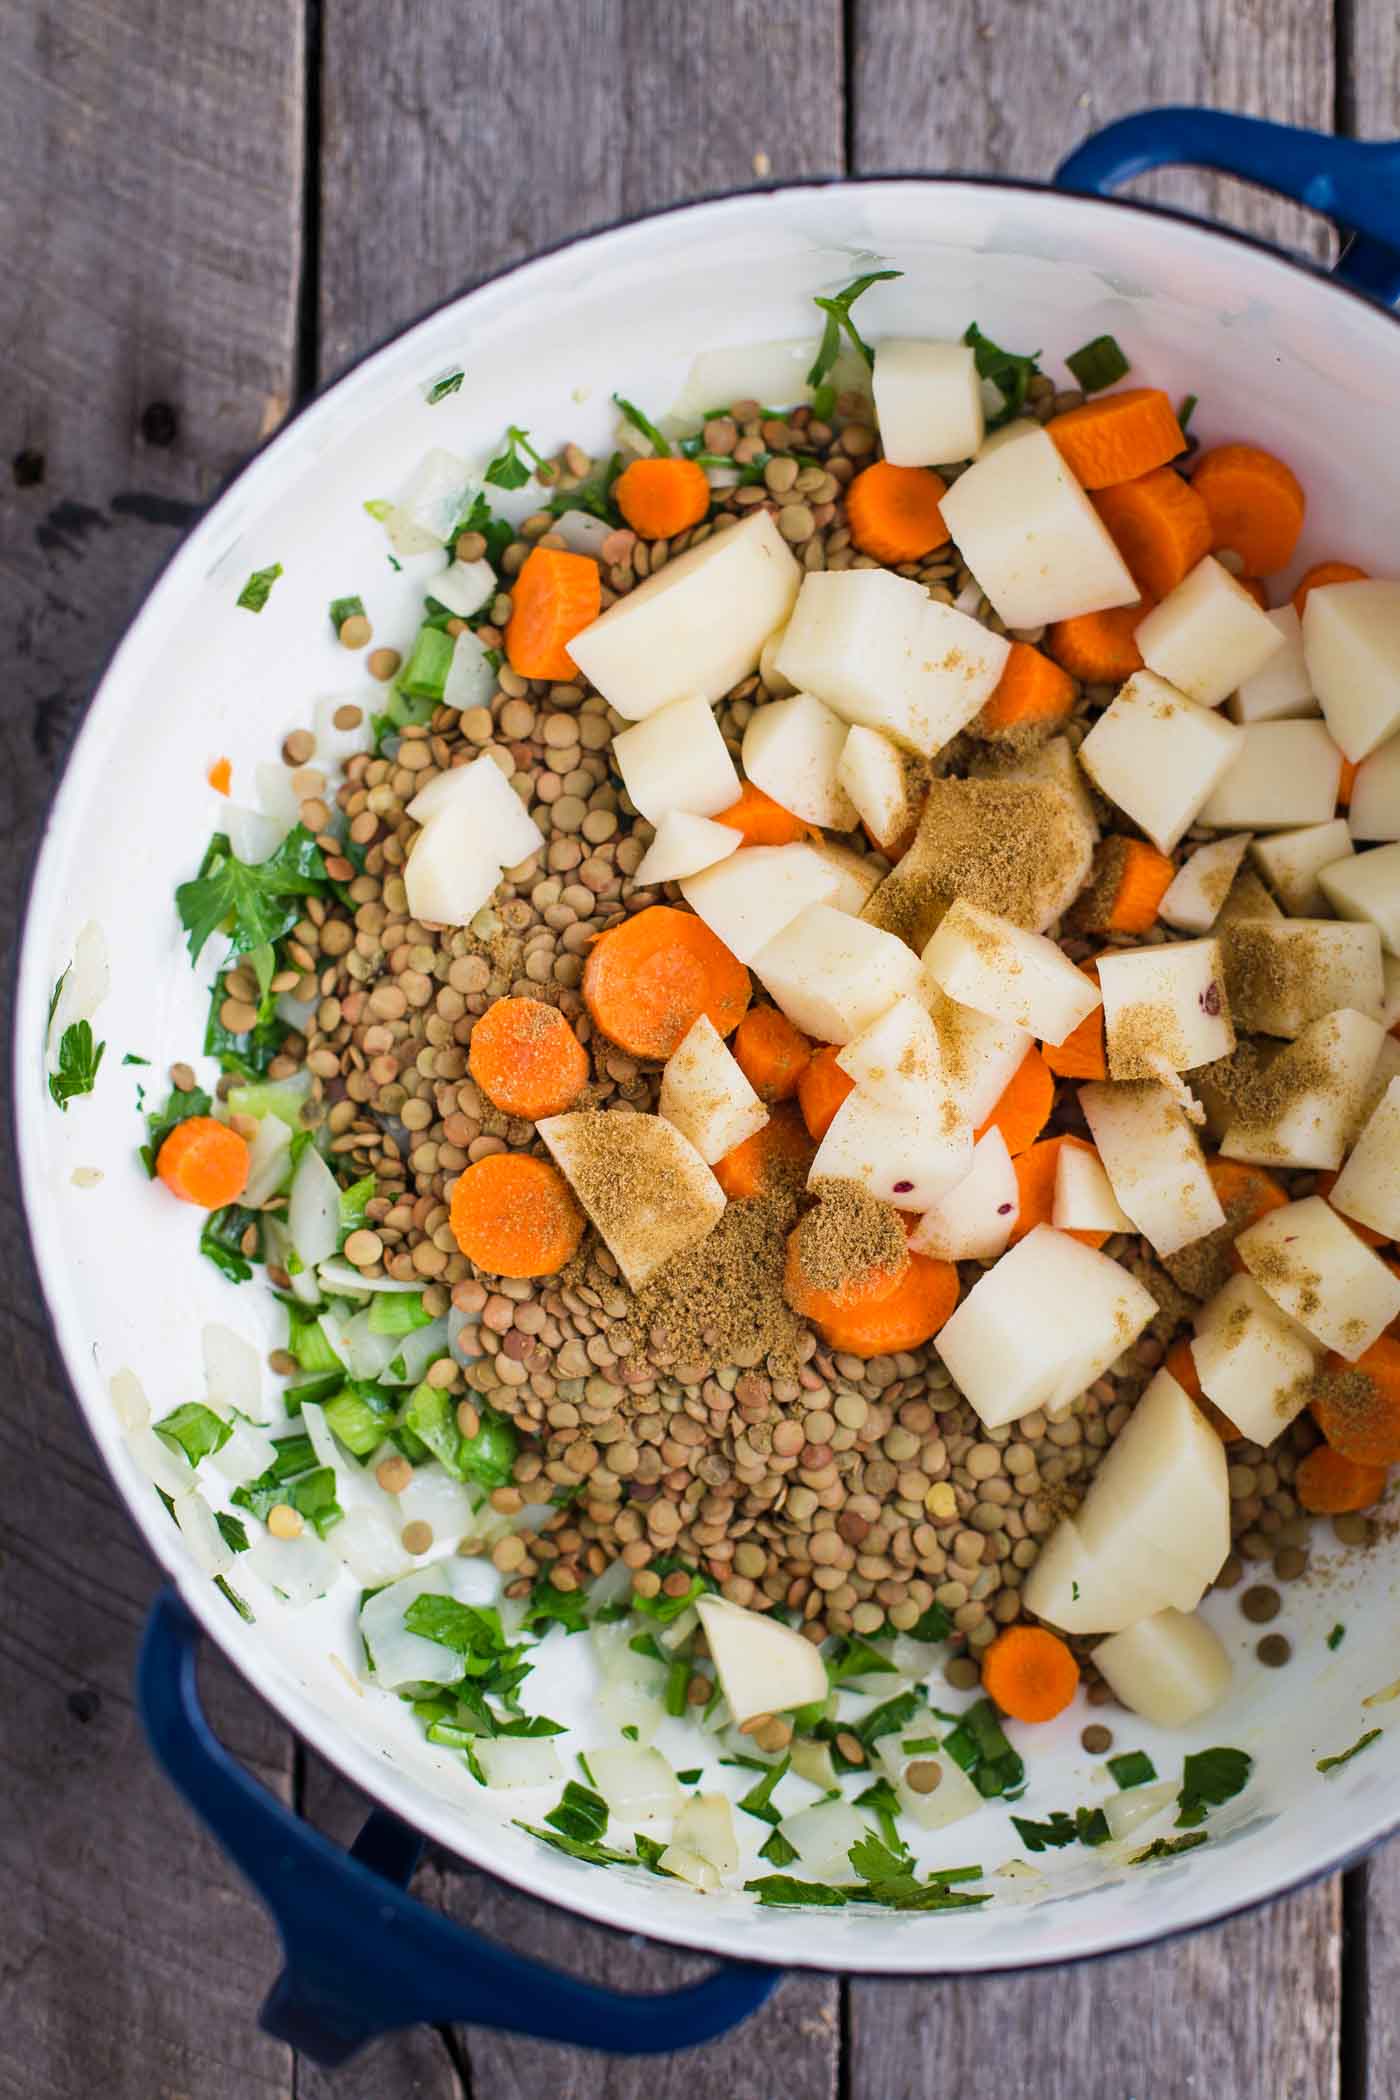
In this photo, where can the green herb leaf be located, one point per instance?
(1208, 1778)
(508, 470)
(920, 1745)
(758, 1801)
(379, 508)
(258, 902)
(343, 609)
(391, 1312)
(132, 1059)
(497, 532)
(775, 1889)
(226, 1589)
(595, 1855)
(221, 1240)
(593, 495)
(357, 1411)
(935, 1625)
(1336, 1637)
(1058, 1830)
(856, 1658)
(1186, 411)
(232, 1531)
(580, 1813)
(296, 1479)
(690, 1777)
(1009, 371)
(1344, 1757)
(838, 322)
(1091, 1826)
(883, 1803)
(633, 1735)
(551, 1607)
(1132, 1768)
(258, 589)
(441, 388)
(1098, 364)
(877, 1862)
(1168, 1848)
(665, 1609)
(193, 1429)
(648, 429)
(352, 1217)
(777, 1850)
(78, 1062)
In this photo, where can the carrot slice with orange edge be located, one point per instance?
(1099, 648)
(781, 1147)
(893, 512)
(648, 980)
(821, 1090)
(1036, 1169)
(203, 1162)
(1321, 574)
(1332, 1486)
(661, 497)
(1256, 505)
(1358, 1409)
(554, 597)
(515, 1215)
(1118, 437)
(1030, 1673)
(526, 1059)
(910, 1315)
(1025, 1104)
(1031, 692)
(771, 1053)
(762, 821)
(1159, 525)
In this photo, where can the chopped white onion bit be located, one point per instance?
(396, 1655)
(313, 1211)
(638, 1785)
(129, 1399)
(167, 1468)
(1138, 1804)
(300, 1569)
(247, 1453)
(690, 1867)
(704, 1825)
(369, 1546)
(269, 1153)
(232, 1373)
(519, 1760)
(201, 1534)
(824, 1836)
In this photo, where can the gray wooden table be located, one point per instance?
(207, 207)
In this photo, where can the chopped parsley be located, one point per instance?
(343, 609)
(508, 470)
(774, 1889)
(856, 1658)
(633, 415)
(580, 1813)
(1009, 371)
(551, 1607)
(1209, 1778)
(132, 1059)
(78, 1061)
(758, 1801)
(1344, 1757)
(686, 1778)
(1087, 1826)
(474, 1632)
(1132, 1768)
(258, 589)
(979, 1745)
(194, 1430)
(254, 903)
(1098, 364)
(777, 1850)
(496, 532)
(838, 323)
(310, 1490)
(1168, 1848)
(1336, 1637)
(222, 1241)
(663, 1608)
(232, 1531)
(450, 383)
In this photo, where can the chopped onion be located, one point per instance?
(914, 1658)
(582, 533)
(705, 1825)
(431, 501)
(232, 1373)
(419, 1349)
(301, 1569)
(953, 1798)
(284, 1098)
(370, 1548)
(470, 679)
(614, 1585)
(134, 1409)
(772, 373)
(86, 984)
(689, 1867)
(519, 1760)
(363, 1353)
(277, 798)
(269, 1158)
(170, 1470)
(248, 1452)
(637, 1784)
(313, 1210)
(434, 1497)
(277, 1245)
(344, 1280)
(334, 744)
(1138, 1804)
(201, 1533)
(356, 1486)
(631, 1692)
(824, 1835)
(463, 587)
(722, 477)
(460, 1327)
(297, 1013)
(396, 1655)
(252, 836)
(812, 1760)
(680, 1628)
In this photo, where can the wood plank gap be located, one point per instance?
(1353, 2036)
(308, 339)
(457, 2056)
(1344, 68)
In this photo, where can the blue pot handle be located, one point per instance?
(1355, 183)
(360, 1955)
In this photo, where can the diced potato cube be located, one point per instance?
(1282, 973)
(1084, 1592)
(1248, 899)
(1162, 1491)
(1368, 1187)
(928, 402)
(981, 1055)
(791, 750)
(1385, 1068)
(1031, 536)
(1164, 1008)
(1153, 1160)
(831, 974)
(430, 503)
(684, 844)
(1159, 756)
(1207, 636)
(759, 1661)
(907, 1156)
(1285, 773)
(1170, 1668)
(695, 627)
(1323, 1276)
(1252, 1361)
(896, 1055)
(643, 1184)
(1310, 1103)
(1084, 1198)
(1374, 809)
(1291, 861)
(974, 1220)
(1351, 640)
(1198, 890)
(1366, 887)
(1014, 846)
(748, 898)
(1053, 764)
(770, 676)
(1009, 1347)
(855, 877)
(879, 780)
(1390, 996)
(1282, 688)
(706, 1096)
(1017, 977)
(473, 826)
(449, 875)
(677, 759)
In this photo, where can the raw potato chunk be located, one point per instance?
(758, 891)
(833, 975)
(1017, 977)
(1368, 1187)
(791, 750)
(1314, 1266)
(772, 678)
(907, 1155)
(1282, 688)
(1374, 810)
(981, 1055)
(1248, 899)
(1198, 890)
(1309, 1104)
(1351, 640)
(1170, 1668)
(1291, 861)
(643, 1184)
(763, 1666)
(855, 877)
(1051, 764)
(1159, 756)
(1014, 846)
(481, 800)
(1286, 773)
(684, 844)
(1031, 536)
(695, 627)
(1162, 1492)
(1386, 1068)
(1084, 1198)
(1164, 1008)
(706, 1096)
(449, 875)
(879, 780)
(928, 402)
(1252, 1361)
(1010, 1348)
(896, 1056)
(1207, 636)
(1390, 995)
(973, 1221)
(1282, 973)
(1150, 1155)
(1084, 1592)
(473, 826)
(677, 760)
(1366, 887)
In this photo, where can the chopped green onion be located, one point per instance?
(1098, 364)
(308, 1343)
(441, 388)
(677, 1679)
(1186, 411)
(686, 1778)
(258, 589)
(838, 322)
(424, 676)
(1344, 1757)
(396, 1312)
(648, 429)
(1336, 1637)
(360, 1416)
(1010, 372)
(1132, 1768)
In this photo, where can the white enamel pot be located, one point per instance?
(1276, 352)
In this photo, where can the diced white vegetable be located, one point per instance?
(1368, 1187)
(434, 1498)
(894, 1054)
(1281, 687)
(1031, 536)
(1315, 1095)
(824, 1835)
(1201, 884)
(582, 532)
(334, 743)
(342, 1279)
(1207, 636)
(1127, 1810)
(756, 892)
(515, 1761)
(1165, 1008)
(1323, 1276)
(689, 1867)
(232, 1372)
(1084, 1198)
(1248, 899)
(791, 750)
(301, 1570)
(274, 1097)
(128, 1396)
(470, 680)
(473, 827)
(1153, 1161)
(813, 1762)
(1163, 1493)
(773, 372)
(928, 402)
(463, 587)
(1284, 774)
(482, 799)
(763, 1666)
(1159, 756)
(252, 837)
(1252, 1361)
(313, 1209)
(949, 1802)
(1170, 1668)
(1281, 974)
(370, 1547)
(1291, 861)
(879, 780)
(770, 676)
(644, 1185)
(832, 974)
(1052, 764)
(705, 1825)
(638, 1785)
(684, 844)
(1366, 887)
(277, 798)
(1351, 640)
(694, 627)
(1009, 1346)
(632, 1687)
(981, 1055)
(1084, 1592)
(201, 1534)
(397, 1656)
(1015, 976)
(907, 1156)
(269, 1161)
(1390, 994)
(1374, 809)
(856, 878)
(87, 983)
(677, 760)
(974, 1220)
(430, 502)
(706, 1096)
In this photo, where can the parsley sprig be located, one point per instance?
(255, 903)
(78, 1061)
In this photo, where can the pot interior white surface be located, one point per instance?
(1274, 355)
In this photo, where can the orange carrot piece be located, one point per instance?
(202, 1161)
(647, 981)
(1118, 437)
(514, 1215)
(555, 596)
(1159, 525)
(661, 497)
(1084, 1052)
(1030, 691)
(771, 1053)
(1359, 1410)
(749, 1168)
(821, 1090)
(1182, 1366)
(1332, 1486)
(1256, 505)
(856, 1294)
(1030, 1673)
(1099, 648)
(1036, 1169)
(220, 776)
(1026, 1101)
(1346, 782)
(1322, 573)
(1255, 586)
(912, 1313)
(761, 821)
(892, 512)
(526, 1059)
(1325, 1184)
(1144, 877)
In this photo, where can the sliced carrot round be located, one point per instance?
(1036, 1169)
(1159, 525)
(1030, 1673)
(526, 1059)
(780, 1148)
(202, 1161)
(893, 512)
(1320, 575)
(554, 597)
(514, 1215)
(761, 821)
(912, 1313)
(1024, 1108)
(661, 497)
(1358, 1410)
(771, 1053)
(1255, 502)
(856, 1294)
(1118, 437)
(1099, 648)
(1332, 1486)
(821, 1089)
(647, 982)
(1030, 692)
